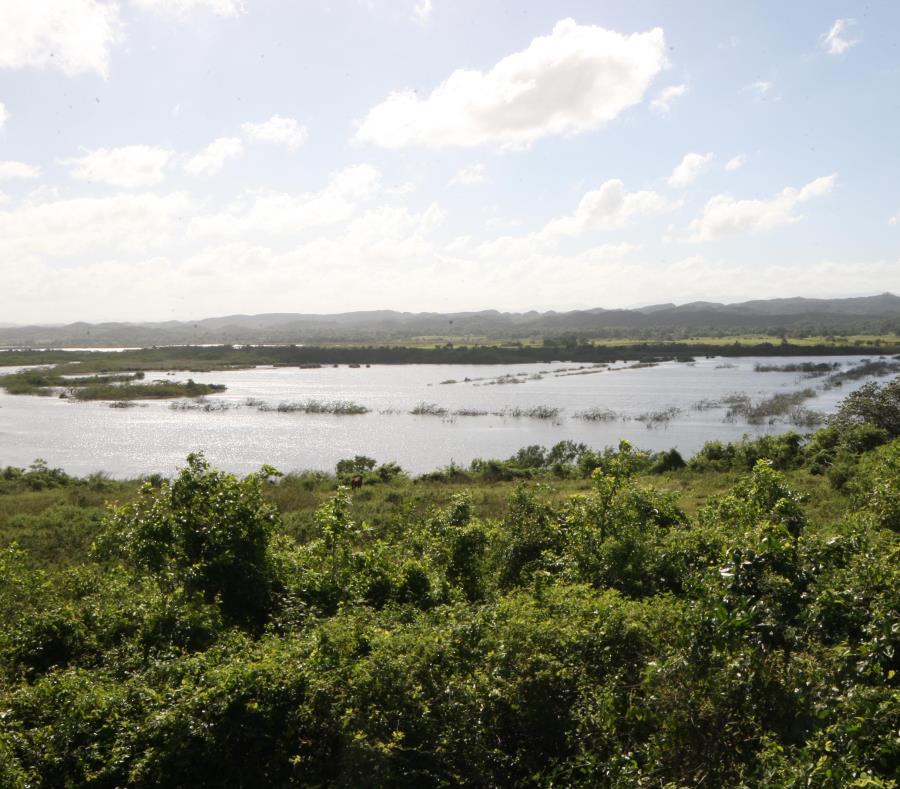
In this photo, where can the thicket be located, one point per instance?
(606, 638)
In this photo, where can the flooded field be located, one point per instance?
(425, 416)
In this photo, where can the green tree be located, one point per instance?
(207, 532)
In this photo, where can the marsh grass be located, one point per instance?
(597, 414)
(334, 407)
(658, 418)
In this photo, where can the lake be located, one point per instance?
(153, 437)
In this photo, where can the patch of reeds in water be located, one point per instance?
(333, 407)
(658, 418)
(770, 409)
(597, 415)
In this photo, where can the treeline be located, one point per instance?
(606, 638)
(201, 359)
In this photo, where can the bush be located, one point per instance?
(208, 530)
(876, 485)
(871, 404)
(667, 461)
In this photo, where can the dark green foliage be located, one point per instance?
(38, 476)
(873, 404)
(876, 485)
(667, 461)
(208, 531)
(784, 451)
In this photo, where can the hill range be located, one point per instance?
(794, 316)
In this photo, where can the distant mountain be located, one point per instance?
(822, 316)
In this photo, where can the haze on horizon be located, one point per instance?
(176, 159)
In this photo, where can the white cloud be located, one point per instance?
(470, 175)
(663, 101)
(574, 80)
(422, 11)
(4, 115)
(182, 8)
(724, 216)
(50, 227)
(75, 36)
(736, 162)
(278, 130)
(211, 159)
(280, 213)
(128, 257)
(130, 167)
(895, 219)
(836, 41)
(689, 168)
(9, 170)
(608, 208)
(761, 88)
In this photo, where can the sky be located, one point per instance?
(182, 159)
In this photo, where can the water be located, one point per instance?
(86, 437)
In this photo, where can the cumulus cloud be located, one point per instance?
(837, 41)
(212, 158)
(736, 162)
(422, 11)
(895, 219)
(75, 36)
(130, 167)
(182, 8)
(10, 170)
(689, 168)
(282, 213)
(663, 101)
(470, 175)
(574, 80)
(725, 216)
(278, 130)
(607, 208)
(4, 115)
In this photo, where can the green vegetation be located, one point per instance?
(770, 408)
(471, 351)
(811, 368)
(157, 390)
(45, 382)
(565, 617)
(338, 407)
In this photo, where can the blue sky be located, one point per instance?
(186, 158)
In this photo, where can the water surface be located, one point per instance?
(87, 437)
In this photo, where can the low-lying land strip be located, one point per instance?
(46, 382)
(225, 357)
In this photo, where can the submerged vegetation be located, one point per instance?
(564, 617)
(338, 407)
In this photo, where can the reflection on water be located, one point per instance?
(86, 437)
